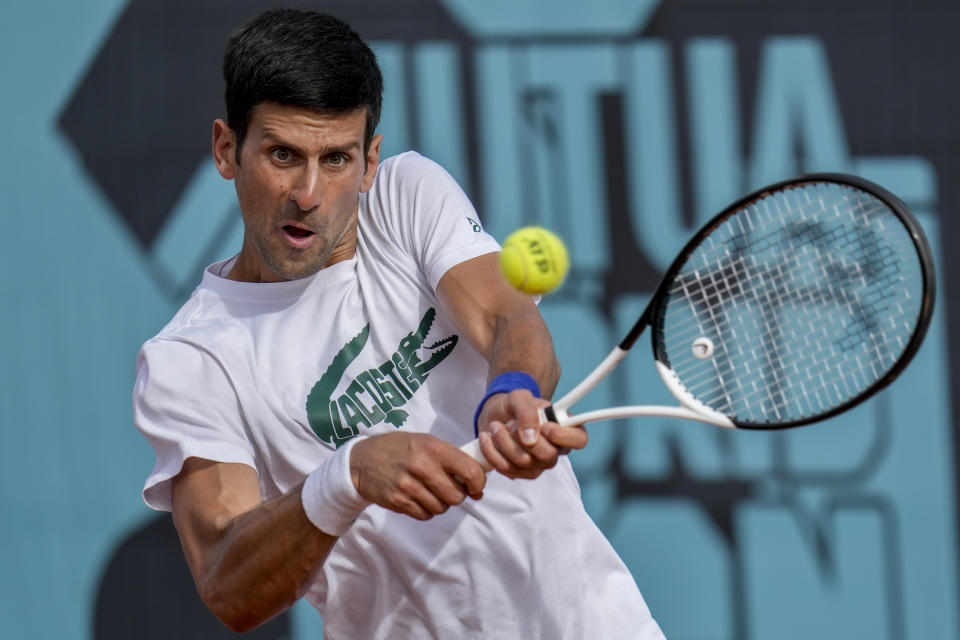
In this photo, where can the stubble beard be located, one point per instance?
(276, 259)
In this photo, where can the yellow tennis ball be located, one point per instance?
(534, 260)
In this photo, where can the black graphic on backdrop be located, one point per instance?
(147, 593)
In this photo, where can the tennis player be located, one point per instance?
(305, 405)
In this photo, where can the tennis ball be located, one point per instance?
(534, 260)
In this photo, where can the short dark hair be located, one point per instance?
(303, 59)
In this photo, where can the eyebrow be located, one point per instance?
(326, 150)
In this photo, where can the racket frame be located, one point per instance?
(690, 407)
(656, 306)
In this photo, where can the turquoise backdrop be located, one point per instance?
(621, 124)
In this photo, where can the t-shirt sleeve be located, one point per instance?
(185, 405)
(434, 217)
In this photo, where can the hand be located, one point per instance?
(513, 440)
(414, 473)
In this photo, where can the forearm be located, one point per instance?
(522, 343)
(503, 324)
(506, 327)
(251, 560)
(259, 563)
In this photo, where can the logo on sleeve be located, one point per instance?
(375, 395)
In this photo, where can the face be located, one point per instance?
(298, 182)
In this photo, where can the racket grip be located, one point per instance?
(547, 414)
(472, 449)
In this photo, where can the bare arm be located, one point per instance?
(252, 559)
(237, 544)
(507, 328)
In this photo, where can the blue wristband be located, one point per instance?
(505, 383)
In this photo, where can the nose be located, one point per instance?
(307, 190)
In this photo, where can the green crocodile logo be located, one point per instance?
(375, 395)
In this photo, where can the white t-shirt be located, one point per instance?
(276, 375)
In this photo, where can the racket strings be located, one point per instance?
(710, 295)
(799, 294)
(812, 299)
(817, 299)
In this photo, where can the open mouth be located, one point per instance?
(298, 237)
(297, 232)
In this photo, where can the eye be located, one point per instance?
(281, 154)
(337, 160)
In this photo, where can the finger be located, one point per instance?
(507, 444)
(565, 437)
(521, 464)
(457, 474)
(542, 403)
(470, 475)
(494, 456)
(448, 489)
(526, 418)
(405, 505)
(449, 475)
(491, 453)
(529, 430)
(544, 452)
(415, 490)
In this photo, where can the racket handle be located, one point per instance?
(547, 414)
(472, 449)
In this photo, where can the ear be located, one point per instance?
(224, 149)
(373, 161)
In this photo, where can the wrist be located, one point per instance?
(329, 497)
(505, 383)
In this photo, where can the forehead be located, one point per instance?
(303, 125)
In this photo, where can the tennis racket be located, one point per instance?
(796, 303)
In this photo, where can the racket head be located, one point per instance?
(796, 303)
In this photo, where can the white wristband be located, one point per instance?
(329, 498)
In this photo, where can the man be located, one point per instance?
(307, 402)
